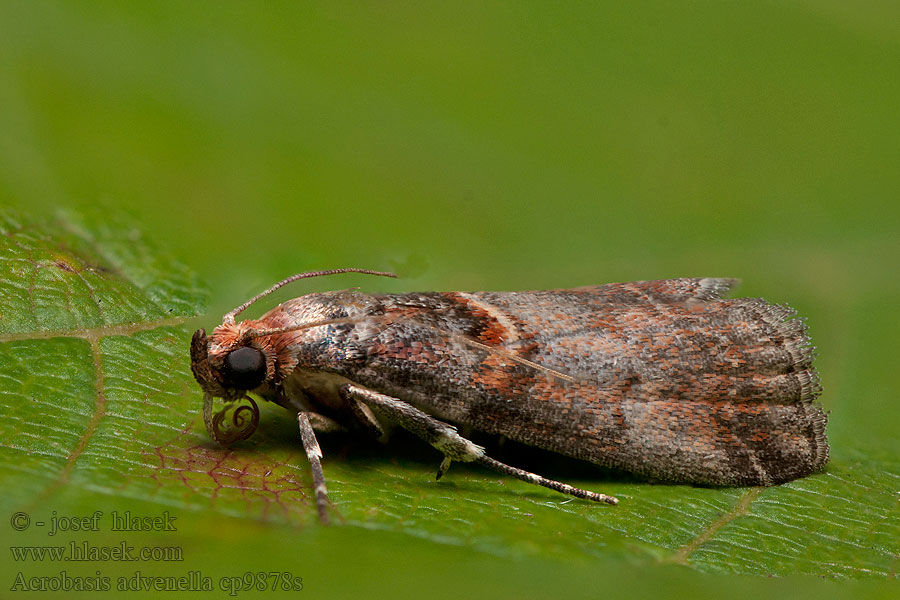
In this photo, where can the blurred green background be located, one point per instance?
(489, 146)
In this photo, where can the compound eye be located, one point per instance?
(245, 368)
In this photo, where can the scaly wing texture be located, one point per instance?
(662, 378)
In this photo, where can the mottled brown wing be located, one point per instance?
(662, 378)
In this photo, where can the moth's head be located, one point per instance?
(227, 365)
(232, 360)
(227, 370)
(241, 357)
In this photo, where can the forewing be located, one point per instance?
(660, 377)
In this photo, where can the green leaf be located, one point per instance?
(101, 413)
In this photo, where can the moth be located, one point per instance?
(666, 378)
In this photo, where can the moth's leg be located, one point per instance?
(565, 488)
(314, 454)
(437, 433)
(365, 418)
(445, 438)
(322, 424)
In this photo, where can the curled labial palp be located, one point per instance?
(243, 422)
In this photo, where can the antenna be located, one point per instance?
(229, 317)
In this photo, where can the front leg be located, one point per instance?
(323, 424)
(445, 438)
(309, 423)
(314, 454)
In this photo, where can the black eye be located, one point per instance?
(245, 368)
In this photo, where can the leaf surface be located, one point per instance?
(101, 413)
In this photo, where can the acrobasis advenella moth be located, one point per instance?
(662, 378)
